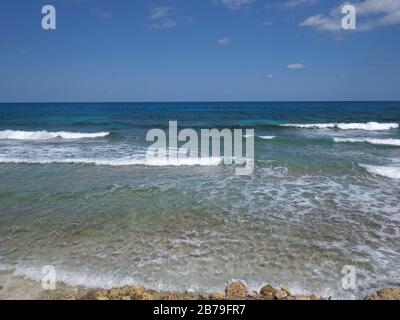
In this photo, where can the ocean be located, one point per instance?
(77, 193)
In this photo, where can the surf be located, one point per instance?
(46, 135)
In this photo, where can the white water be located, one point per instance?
(45, 135)
(370, 126)
(385, 171)
(212, 161)
(387, 142)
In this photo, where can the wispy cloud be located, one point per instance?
(164, 24)
(270, 76)
(266, 23)
(162, 17)
(290, 4)
(159, 12)
(296, 66)
(370, 14)
(234, 4)
(100, 13)
(224, 41)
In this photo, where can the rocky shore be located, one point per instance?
(234, 291)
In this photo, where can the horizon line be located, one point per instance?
(195, 101)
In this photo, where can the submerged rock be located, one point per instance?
(236, 290)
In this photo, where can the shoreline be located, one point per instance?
(26, 289)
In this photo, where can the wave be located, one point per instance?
(370, 126)
(386, 142)
(260, 137)
(385, 171)
(206, 162)
(45, 135)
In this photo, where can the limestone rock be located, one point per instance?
(268, 292)
(170, 296)
(236, 290)
(217, 296)
(386, 294)
(281, 295)
(286, 289)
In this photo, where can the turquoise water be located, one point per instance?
(324, 194)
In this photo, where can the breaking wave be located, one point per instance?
(370, 126)
(45, 135)
(385, 171)
(386, 142)
(212, 161)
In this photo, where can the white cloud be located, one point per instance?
(267, 23)
(370, 14)
(224, 41)
(296, 3)
(159, 12)
(296, 66)
(100, 13)
(270, 76)
(323, 23)
(164, 24)
(234, 4)
(162, 18)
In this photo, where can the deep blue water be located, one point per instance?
(324, 194)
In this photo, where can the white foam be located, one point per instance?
(387, 142)
(386, 171)
(212, 161)
(45, 135)
(261, 137)
(370, 126)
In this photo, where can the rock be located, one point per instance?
(236, 290)
(253, 295)
(281, 295)
(314, 297)
(170, 296)
(302, 298)
(217, 296)
(102, 298)
(268, 292)
(268, 289)
(286, 289)
(146, 296)
(386, 294)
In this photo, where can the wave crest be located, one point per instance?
(369, 126)
(45, 135)
(212, 161)
(385, 171)
(385, 142)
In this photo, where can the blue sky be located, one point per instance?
(198, 50)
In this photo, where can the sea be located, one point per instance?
(77, 193)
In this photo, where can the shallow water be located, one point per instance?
(321, 197)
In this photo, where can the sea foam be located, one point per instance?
(370, 126)
(386, 142)
(385, 171)
(45, 135)
(210, 162)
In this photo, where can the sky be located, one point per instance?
(199, 50)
